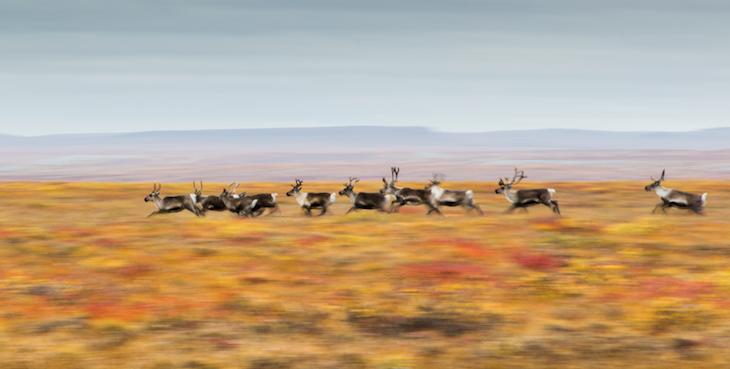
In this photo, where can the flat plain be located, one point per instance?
(88, 282)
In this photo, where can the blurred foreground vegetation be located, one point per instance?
(88, 282)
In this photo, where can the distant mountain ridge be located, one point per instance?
(375, 138)
(337, 153)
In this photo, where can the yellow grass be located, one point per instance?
(88, 282)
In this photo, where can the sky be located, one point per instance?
(89, 66)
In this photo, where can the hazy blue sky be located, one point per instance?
(119, 66)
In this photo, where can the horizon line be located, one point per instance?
(430, 129)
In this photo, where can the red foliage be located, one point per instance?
(73, 232)
(671, 287)
(466, 247)
(245, 241)
(4, 233)
(133, 271)
(107, 242)
(103, 308)
(311, 241)
(223, 344)
(536, 261)
(412, 210)
(443, 271)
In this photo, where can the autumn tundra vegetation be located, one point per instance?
(88, 282)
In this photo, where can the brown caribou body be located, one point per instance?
(526, 198)
(207, 203)
(170, 204)
(240, 205)
(364, 200)
(309, 201)
(675, 198)
(407, 196)
(263, 201)
(463, 198)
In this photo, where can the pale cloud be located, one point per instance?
(89, 66)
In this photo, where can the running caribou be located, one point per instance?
(309, 201)
(407, 196)
(263, 201)
(207, 202)
(364, 200)
(463, 198)
(170, 204)
(675, 198)
(240, 205)
(525, 198)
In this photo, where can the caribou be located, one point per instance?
(263, 201)
(526, 198)
(309, 201)
(463, 198)
(675, 198)
(239, 205)
(170, 204)
(364, 200)
(207, 203)
(234, 194)
(407, 196)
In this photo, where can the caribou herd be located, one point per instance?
(391, 198)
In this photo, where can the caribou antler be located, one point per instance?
(351, 181)
(198, 191)
(661, 178)
(519, 175)
(394, 173)
(438, 178)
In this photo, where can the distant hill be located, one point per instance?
(334, 154)
(376, 138)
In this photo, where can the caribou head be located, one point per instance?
(155, 193)
(504, 186)
(657, 182)
(349, 187)
(295, 188)
(389, 187)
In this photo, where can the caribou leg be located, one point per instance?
(436, 210)
(276, 208)
(193, 209)
(555, 208)
(552, 204)
(473, 206)
(394, 207)
(478, 209)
